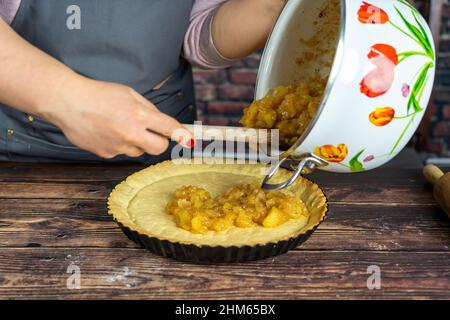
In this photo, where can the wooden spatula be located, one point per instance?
(441, 183)
(221, 133)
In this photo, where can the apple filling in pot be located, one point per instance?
(244, 206)
(289, 109)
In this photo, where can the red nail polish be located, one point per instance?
(191, 143)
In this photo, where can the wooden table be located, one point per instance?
(54, 216)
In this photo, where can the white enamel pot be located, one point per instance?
(380, 58)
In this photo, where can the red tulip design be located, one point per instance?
(382, 49)
(385, 60)
(379, 81)
(370, 14)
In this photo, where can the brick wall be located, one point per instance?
(222, 95)
(438, 130)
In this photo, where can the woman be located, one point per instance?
(88, 80)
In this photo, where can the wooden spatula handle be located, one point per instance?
(238, 134)
(432, 173)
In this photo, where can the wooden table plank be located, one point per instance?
(73, 223)
(133, 274)
(379, 195)
(12, 172)
(17, 172)
(54, 190)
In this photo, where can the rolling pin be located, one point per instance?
(441, 183)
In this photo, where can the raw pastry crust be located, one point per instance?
(138, 202)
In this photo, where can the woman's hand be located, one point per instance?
(109, 119)
(104, 118)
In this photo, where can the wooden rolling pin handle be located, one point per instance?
(441, 183)
(432, 173)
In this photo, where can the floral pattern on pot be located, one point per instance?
(370, 14)
(416, 32)
(380, 80)
(382, 116)
(338, 154)
(332, 153)
(386, 59)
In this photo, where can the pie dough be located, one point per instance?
(139, 202)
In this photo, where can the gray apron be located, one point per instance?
(137, 43)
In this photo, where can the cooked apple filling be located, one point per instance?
(195, 210)
(288, 108)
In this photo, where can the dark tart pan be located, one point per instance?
(197, 253)
(208, 254)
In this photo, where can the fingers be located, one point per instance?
(152, 129)
(153, 143)
(129, 151)
(157, 128)
(134, 152)
(149, 143)
(167, 126)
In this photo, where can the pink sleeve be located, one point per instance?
(8, 9)
(199, 47)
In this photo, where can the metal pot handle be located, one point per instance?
(301, 165)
